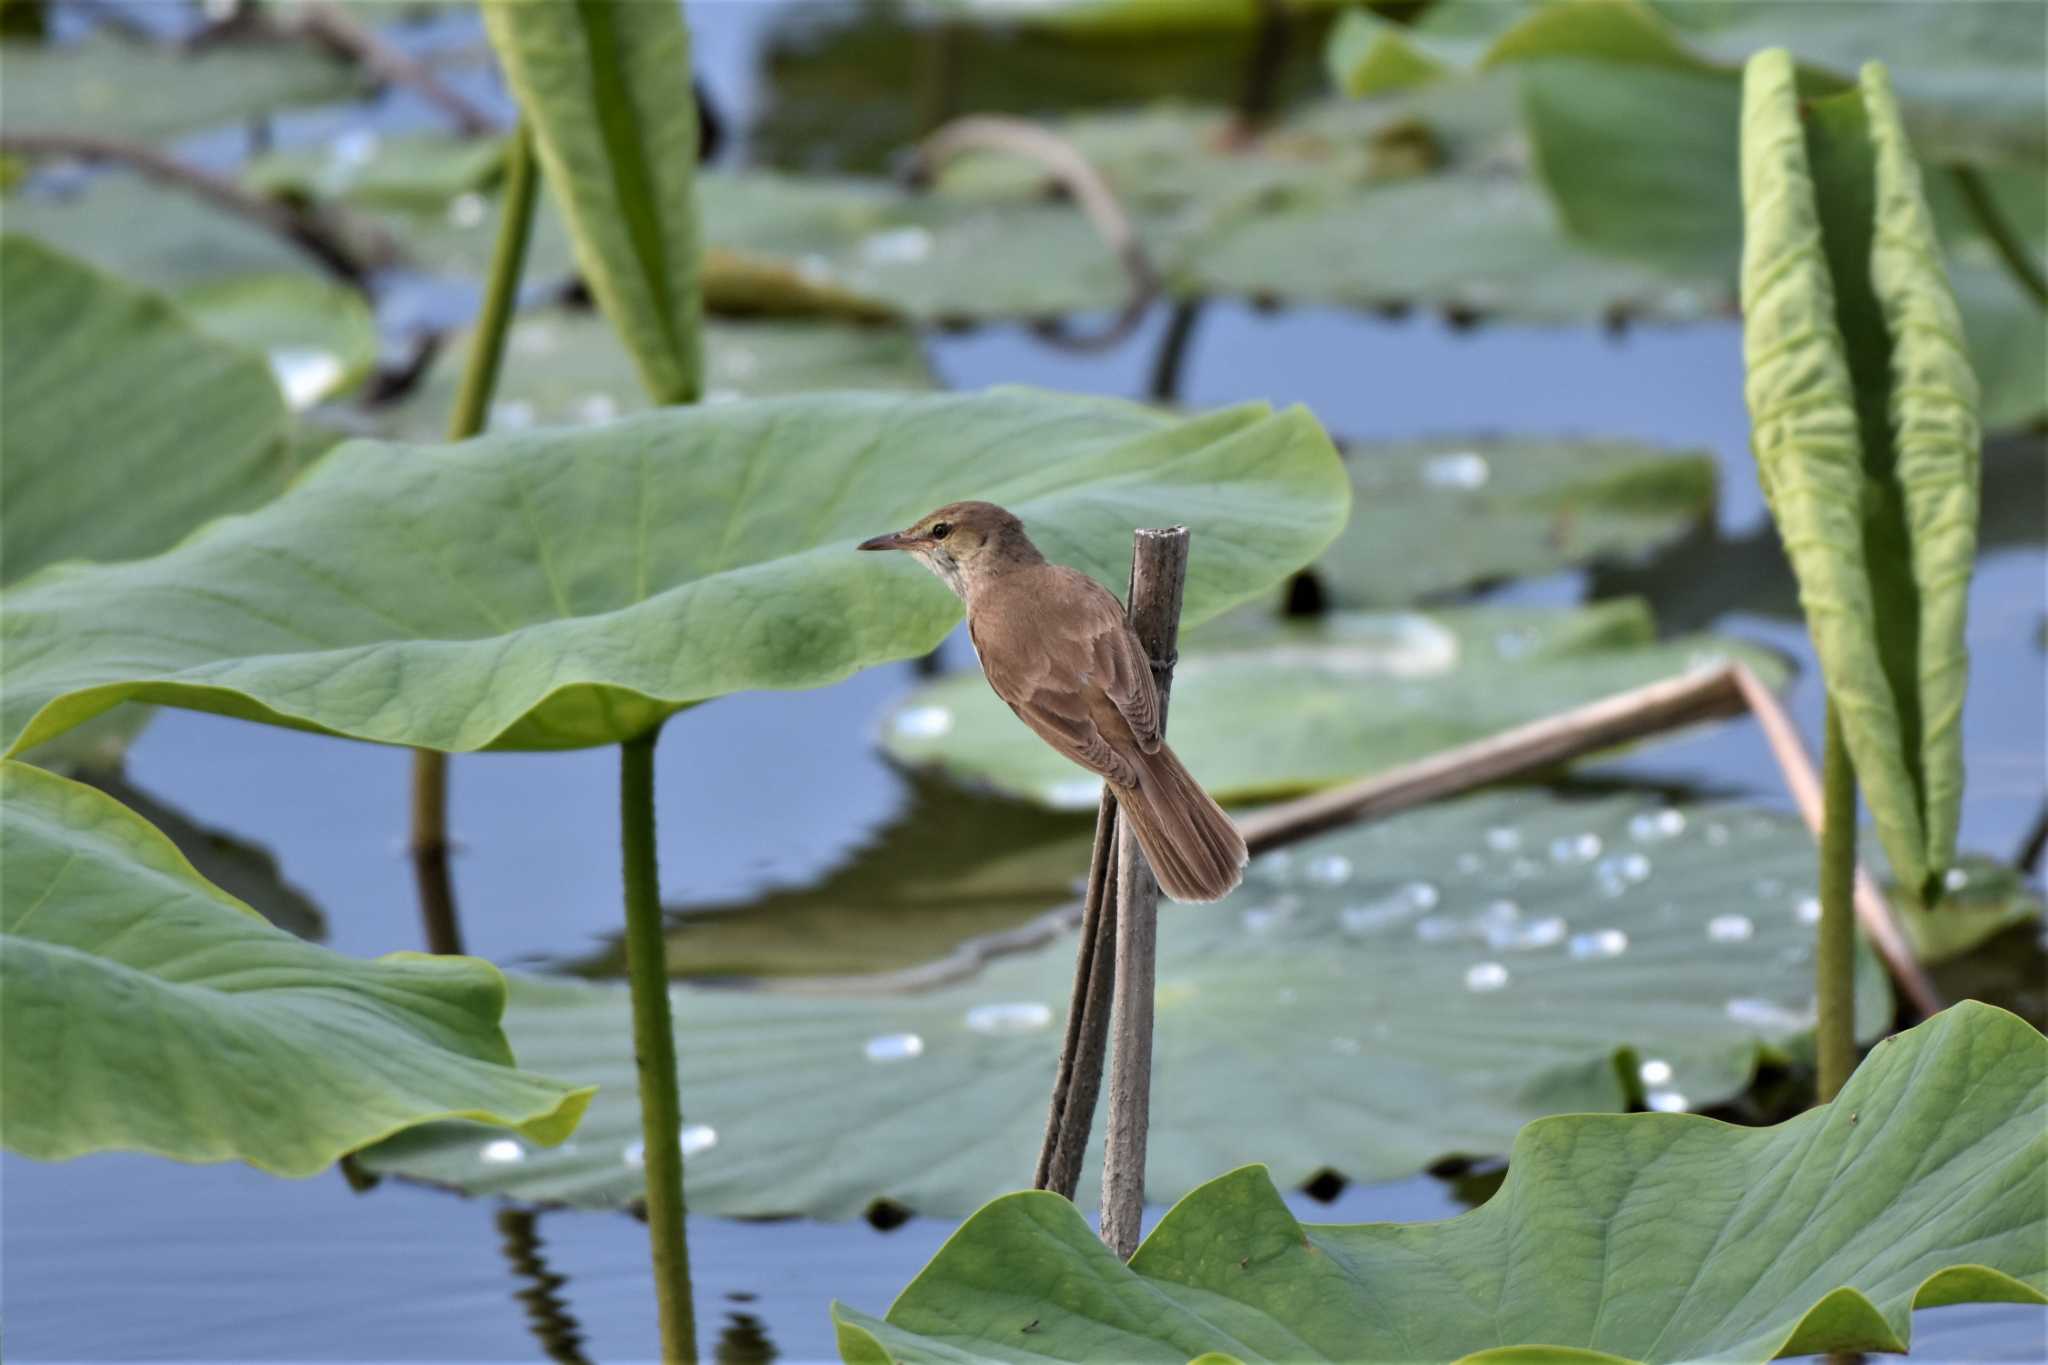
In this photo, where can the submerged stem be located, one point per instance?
(429, 842)
(654, 1050)
(1835, 959)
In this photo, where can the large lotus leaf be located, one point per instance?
(113, 87)
(1288, 708)
(1968, 76)
(951, 867)
(1382, 997)
(126, 425)
(1863, 410)
(148, 1010)
(318, 335)
(560, 588)
(1430, 517)
(564, 367)
(1652, 1237)
(606, 90)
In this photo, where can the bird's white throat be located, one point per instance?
(942, 563)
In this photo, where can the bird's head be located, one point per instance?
(962, 542)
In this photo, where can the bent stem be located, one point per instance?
(1835, 958)
(429, 843)
(654, 1050)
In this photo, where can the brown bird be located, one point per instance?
(1055, 645)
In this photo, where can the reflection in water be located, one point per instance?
(547, 1311)
(744, 1342)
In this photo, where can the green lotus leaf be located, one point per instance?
(1476, 243)
(420, 170)
(1376, 1000)
(561, 588)
(1968, 78)
(1982, 897)
(1336, 699)
(606, 90)
(1651, 1237)
(109, 86)
(318, 335)
(149, 235)
(148, 1010)
(1642, 160)
(108, 387)
(1431, 517)
(564, 367)
(1863, 409)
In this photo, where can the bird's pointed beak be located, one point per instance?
(895, 540)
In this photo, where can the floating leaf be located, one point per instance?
(569, 368)
(1097, 18)
(606, 87)
(419, 171)
(1651, 1237)
(1981, 898)
(113, 87)
(318, 336)
(1865, 428)
(148, 1010)
(1288, 708)
(126, 426)
(1382, 998)
(561, 588)
(1430, 517)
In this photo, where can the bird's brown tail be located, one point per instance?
(1193, 847)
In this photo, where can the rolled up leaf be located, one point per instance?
(1863, 412)
(607, 89)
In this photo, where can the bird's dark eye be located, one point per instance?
(941, 529)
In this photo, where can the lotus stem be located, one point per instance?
(440, 924)
(429, 842)
(1835, 960)
(654, 1050)
(501, 290)
(2019, 260)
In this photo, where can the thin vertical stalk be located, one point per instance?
(1130, 1087)
(429, 843)
(1159, 565)
(1077, 1084)
(654, 1050)
(1835, 959)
